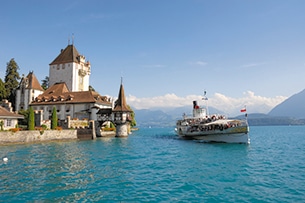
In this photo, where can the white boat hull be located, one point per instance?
(225, 138)
(231, 135)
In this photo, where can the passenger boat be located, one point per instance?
(212, 128)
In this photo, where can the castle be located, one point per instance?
(69, 92)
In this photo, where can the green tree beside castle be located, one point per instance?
(11, 80)
(54, 119)
(25, 113)
(31, 121)
(45, 83)
(133, 122)
(3, 92)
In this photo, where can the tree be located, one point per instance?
(31, 123)
(112, 125)
(91, 88)
(1, 125)
(133, 120)
(11, 80)
(45, 83)
(25, 114)
(3, 92)
(54, 119)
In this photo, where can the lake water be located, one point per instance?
(153, 165)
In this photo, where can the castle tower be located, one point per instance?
(29, 88)
(72, 68)
(121, 115)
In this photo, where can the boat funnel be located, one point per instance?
(195, 106)
(197, 111)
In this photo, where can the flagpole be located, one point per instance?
(246, 114)
(206, 100)
(207, 107)
(245, 111)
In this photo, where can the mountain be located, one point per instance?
(259, 119)
(153, 118)
(159, 118)
(293, 107)
(164, 117)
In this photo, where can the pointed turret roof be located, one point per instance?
(120, 103)
(33, 82)
(68, 55)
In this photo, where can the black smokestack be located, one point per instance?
(195, 105)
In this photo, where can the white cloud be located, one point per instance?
(229, 105)
(254, 103)
(199, 63)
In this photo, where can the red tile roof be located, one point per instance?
(4, 113)
(33, 82)
(59, 94)
(68, 55)
(30, 82)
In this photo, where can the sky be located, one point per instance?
(241, 52)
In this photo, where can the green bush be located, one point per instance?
(1, 125)
(31, 122)
(54, 119)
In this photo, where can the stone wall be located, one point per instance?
(107, 134)
(36, 136)
(76, 123)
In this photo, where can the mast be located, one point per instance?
(206, 101)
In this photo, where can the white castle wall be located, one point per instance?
(75, 75)
(29, 95)
(62, 73)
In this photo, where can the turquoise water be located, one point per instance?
(153, 165)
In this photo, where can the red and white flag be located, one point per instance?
(243, 109)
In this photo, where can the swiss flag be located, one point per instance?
(243, 110)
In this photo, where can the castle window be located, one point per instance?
(58, 67)
(63, 66)
(8, 122)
